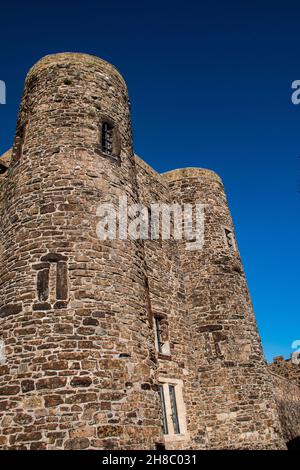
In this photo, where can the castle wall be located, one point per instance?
(77, 315)
(286, 368)
(214, 344)
(74, 317)
(287, 395)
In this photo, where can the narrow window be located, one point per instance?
(163, 409)
(149, 223)
(174, 409)
(107, 138)
(160, 343)
(160, 326)
(174, 423)
(229, 239)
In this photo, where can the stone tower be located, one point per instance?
(117, 344)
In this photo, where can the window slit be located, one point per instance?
(174, 409)
(107, 138)
(163, 409)
(160, 343)
(229, 239)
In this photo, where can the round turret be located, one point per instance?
(227, 367)
(74, 321)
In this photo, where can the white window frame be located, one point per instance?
(181, 410)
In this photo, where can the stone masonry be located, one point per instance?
(288, 368)
(285, 374)
(81, 367)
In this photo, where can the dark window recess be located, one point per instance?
(19, 142)
(229, 239)
(107, 138)
(3, 169)
(163, 409)
(160, 343)
(149, 223)
(174, 409)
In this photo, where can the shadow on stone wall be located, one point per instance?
(294, 444)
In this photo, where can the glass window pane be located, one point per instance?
(163, 409)
(174, 409)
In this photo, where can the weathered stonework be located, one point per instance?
(77, 314)
(288, 368)
(285, 374)
(287, 395)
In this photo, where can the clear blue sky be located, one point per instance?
(210, 85)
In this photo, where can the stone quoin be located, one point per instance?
(119, 344)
